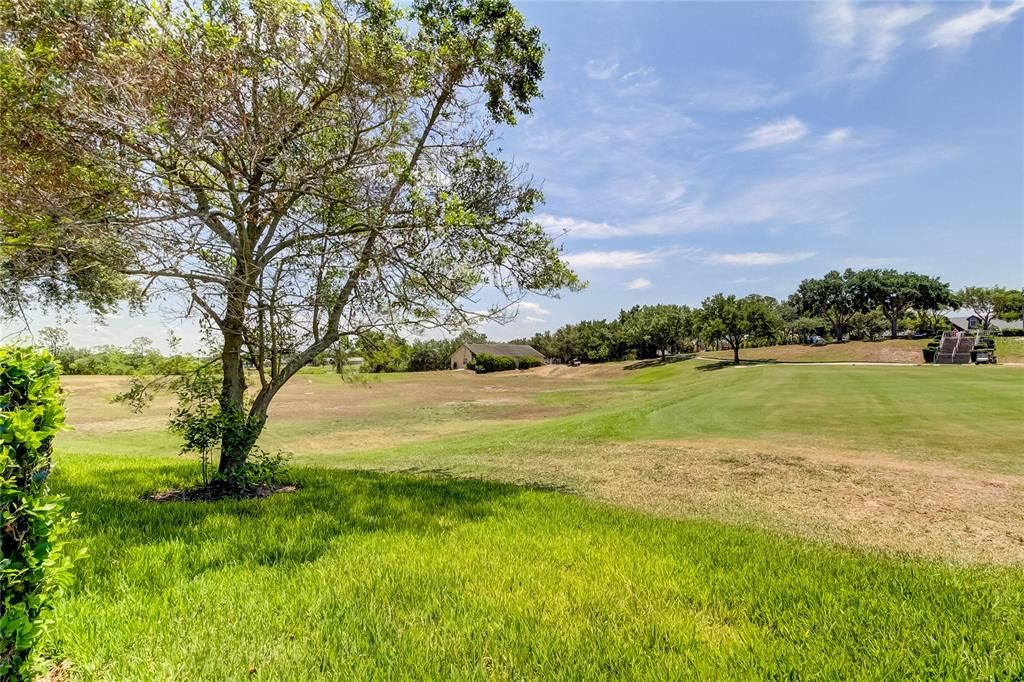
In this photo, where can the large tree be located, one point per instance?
(292, 173)
(735, 320)
(832, 297)
(1009, 304)
(654, 329)
(897, 293)
(982, 301)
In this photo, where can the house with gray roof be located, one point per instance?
(463, 357)
(974, 322)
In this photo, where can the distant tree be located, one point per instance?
(732, 319)
(897, 293)
(1009, 304)
(291, 173)
(868, 326)
(659, 328)
(55, 340)
(982, 301)
(382, 352)
(803, 328)
(833, 297)
(141, 345)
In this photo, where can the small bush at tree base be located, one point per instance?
(33, 567)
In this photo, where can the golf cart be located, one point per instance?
(985, 357)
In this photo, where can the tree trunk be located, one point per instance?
(736, 352)
(235, 444)
(895, 327)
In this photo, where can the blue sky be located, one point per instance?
(690, 148)
(695, 147)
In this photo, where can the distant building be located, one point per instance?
(973, 322)
(463, 357)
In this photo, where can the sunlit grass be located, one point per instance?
(392, 575)
(371, 575)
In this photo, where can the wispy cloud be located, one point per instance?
(534, 308)
(639, 283)
(604, 130)
(958, 32)
(612, 260)
(858, 40)
(738, 95)
(638, 79)
(575, 227)
(783, 131)
(601, 69)
(837, 137)
(757, 258)
(535, 320)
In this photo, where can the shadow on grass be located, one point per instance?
(658, 362)
(296, 527)
(723, 364)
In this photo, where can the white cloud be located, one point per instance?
(601, 69)
(535, 320)
(858, 40)
(837, 137)
(575, 227)
(638, 79)
(739, 95)
(611, 260)
(605, 130)
(958, 32)
(758, 258)
(782, 131)
(639, 283)
(532, 307)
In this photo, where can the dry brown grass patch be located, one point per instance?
(871, 500)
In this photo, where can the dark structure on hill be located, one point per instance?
(463, 357)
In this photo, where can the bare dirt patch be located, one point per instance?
(864, 500)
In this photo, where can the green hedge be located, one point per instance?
(485, 362)
(34, 567)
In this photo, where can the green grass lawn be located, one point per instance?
(905, 351)
(391, 575)
(967, 415)
(385, 576)
(1010, 349)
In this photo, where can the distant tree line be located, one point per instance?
(140, 356)
(861, 305)
(858, 305)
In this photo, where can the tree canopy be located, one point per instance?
(735, 319)
(897, 293)
(832, 297)
(291, 173)
(990, 302)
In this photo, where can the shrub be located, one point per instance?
(527, 363)
(34, 567)
(485, 362)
